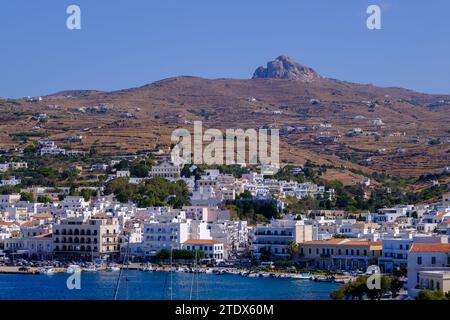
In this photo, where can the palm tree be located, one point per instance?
(293, 248)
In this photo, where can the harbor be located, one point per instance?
(139, 285)
(249, 273)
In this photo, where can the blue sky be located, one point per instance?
(125, 44)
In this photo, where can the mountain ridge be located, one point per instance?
(397, 121)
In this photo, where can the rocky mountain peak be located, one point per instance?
(284, 67)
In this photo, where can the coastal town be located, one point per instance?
(143, 211)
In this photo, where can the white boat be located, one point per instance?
(147, 268)
(253, 275)
(112, 268)
(323, 279)
(48, 271)
(343, 279)
(73, 268)
(303, 276)
(90, 269)
(209, 270)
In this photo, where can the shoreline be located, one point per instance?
(311, 276)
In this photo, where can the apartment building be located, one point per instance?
(274, 238)
(172, 234)
(394, 254)
(78, 239)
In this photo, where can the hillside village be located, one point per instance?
(139, 207)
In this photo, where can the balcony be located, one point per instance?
(108, 235)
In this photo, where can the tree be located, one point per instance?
(163, 254)
(396, 286)
(25, 196)
(293, 248)
(338, 294)
(43, 199)
(29, 150)
(358, 289)
(139, 170)
(432, 295)
(245, 195)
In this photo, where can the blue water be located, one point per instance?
(156, 285)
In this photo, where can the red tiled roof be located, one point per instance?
(27, 224)
(441, 214)
(4, 223)
(42, 215)
(430, 247)
(45, 235)
(201, 241)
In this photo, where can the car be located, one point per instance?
(24, 269)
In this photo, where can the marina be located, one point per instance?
(138, 285)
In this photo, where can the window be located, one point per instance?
(419, 260)
(433, 260)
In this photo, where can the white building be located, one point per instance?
(233, 234)
(75, 203)
(166, 170)
(213, 249)
(394, 254)
(426, 257)
(6, 200)
(122, 173)
(390, 214)
(275, 236)
(78, 238)
(11, 182)
(4, 167)
(172, 234)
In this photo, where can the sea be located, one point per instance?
(139, 285)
